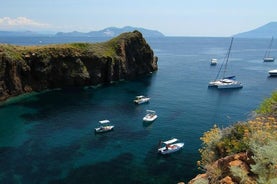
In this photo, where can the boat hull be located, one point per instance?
(142, 100)
(104, 129)
(272, 72)
(225, 84)
(213, 62)
(149, 118)
(269, 59)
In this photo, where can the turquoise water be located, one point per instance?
(48, 137)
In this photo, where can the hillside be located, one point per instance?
(244, 153)
(113, 31)
(265, 31)
(36, 68)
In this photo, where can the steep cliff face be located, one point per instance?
(35, 68)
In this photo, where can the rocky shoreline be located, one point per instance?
(35, 68)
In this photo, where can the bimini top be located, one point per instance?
(171, 141)
(104, 121)
(151, 111)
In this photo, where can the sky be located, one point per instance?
(172, 18)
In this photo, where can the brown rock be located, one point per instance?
(226, 180)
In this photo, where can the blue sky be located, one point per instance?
(173, 18)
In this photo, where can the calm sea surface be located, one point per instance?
(49, 137)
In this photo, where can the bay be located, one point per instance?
(49, 137)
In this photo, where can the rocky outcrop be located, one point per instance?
(35, 68)
(231, 169)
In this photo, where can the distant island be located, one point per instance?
(107, 32)
(113, 31)
(265, 31)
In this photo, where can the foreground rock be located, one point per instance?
(35, 68)
(232, 169)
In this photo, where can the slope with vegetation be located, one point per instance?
(244, 153)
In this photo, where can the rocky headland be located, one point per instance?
(35, 68)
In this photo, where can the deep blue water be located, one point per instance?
(48, 137)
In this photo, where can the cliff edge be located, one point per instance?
(35, 68)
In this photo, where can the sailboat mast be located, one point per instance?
(267, 53)
(228, 54)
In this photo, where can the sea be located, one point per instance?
(48, 137)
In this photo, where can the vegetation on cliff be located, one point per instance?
(243, 153)
(35, 68)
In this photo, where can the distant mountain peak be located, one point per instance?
(266, 31)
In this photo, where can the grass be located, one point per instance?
(104, 49)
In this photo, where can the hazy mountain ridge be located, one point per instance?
(107, 32)
(113, 31)
(266, 31)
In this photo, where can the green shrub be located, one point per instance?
(265, 158)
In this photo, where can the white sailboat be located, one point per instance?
(225, 82)
(267, 57)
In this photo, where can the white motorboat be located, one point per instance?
(272, 72)
(150, 116)
(105, 127)
(225, 82)
(141, 99)
(213, 61)
(170, 146)
(267, 57)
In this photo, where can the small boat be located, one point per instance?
(267, 57)
(150, 116)
(273, 72)
(141, 99)
(170, 146)
(105, 127)
(213, 61)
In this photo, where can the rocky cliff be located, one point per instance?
(35, 68)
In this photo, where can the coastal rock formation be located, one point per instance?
(231, 169)
(35, 68)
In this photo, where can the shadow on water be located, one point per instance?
(103, 172)
(158, 165)
(32, 163)
(223, 92)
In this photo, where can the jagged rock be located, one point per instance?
(240, 160)
(35, 68)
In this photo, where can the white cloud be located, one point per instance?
(20, 22)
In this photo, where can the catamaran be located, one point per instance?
(170, 146)
(225, 82)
